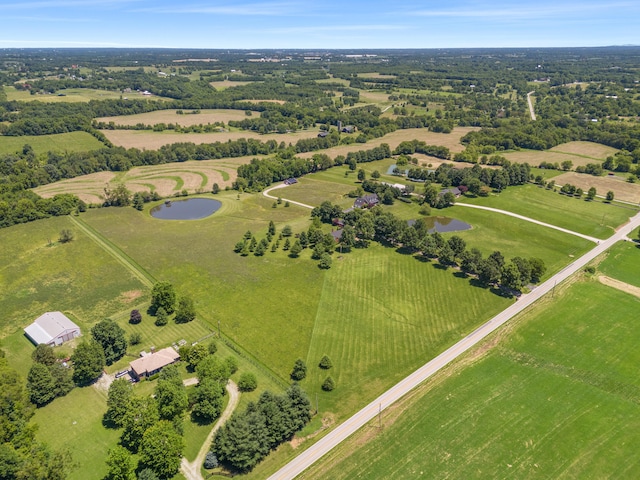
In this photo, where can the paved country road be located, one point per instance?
(351, 425)
(531, 111)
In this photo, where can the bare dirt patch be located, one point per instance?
(623, 190)
(328, 420)
(281, 102)
(227, 84)
(617, 284)
(170, 116)
(130, 296)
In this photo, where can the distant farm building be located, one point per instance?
(337, 235)
(152, 363)
(323, 134)
(367, 201)
(52, 328)
(455, 190)
(290, 181)
(348, 129)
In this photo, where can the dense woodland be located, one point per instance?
(581, 94)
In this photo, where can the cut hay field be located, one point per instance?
(623, 262)
(580, 153)
(393, 139)
(166, 179)
(154, 140)
(60, 142)
(224, 84)
(594, 218)
(623, 190)
(170, 116)
(558, 397)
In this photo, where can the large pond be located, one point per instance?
(189, 209)
(443, 224)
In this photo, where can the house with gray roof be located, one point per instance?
(52, 328)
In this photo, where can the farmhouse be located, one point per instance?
(152, 363)
(455, 190)
(52, 328)
(367, 201)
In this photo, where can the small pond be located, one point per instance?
(392, 168)
(443, 224)
(189, 209)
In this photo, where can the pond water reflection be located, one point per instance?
(189, 209)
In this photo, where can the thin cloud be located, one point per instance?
(249, 9)
(523, 12)
(67, 3)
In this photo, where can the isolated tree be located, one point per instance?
(247, 382)
(186, 311)
(212, 347)
(118, 401)
(299, 370)
(362, 175)
(44, 354)
(325, 362)
(286, 231)
(210, 461)
(88, 361)
(375, 174)
(163, 295)
(215, 189)
(162, 317)
(135, 338)
(232, 364)
(287, 245)
(120, 463)
(40, 385)
(112, 339)
(328, 384)
(272, 227)
(135, 317)
(161, 449)
(610, 196)
(141, 415)
(591, 193)
(138, 201)
(66, 236)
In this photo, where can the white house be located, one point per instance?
(52, 328)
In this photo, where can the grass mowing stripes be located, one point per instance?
(559, 397)
(381, 316)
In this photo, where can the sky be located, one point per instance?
(326, 24)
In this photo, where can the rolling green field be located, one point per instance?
(623, 262)
(70, 95)
(60, 142)
(558, 398)
(594, 218)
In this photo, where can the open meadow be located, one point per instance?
(59, 142)
(623, 262)
(185, 120)
(556, 398)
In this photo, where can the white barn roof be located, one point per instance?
(51, 326)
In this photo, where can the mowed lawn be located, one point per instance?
(558, 397)
(381, 316)
(61, 142)
(595, 218)
(623, 262)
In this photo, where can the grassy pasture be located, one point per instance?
(78, 278)
(166, 179)
(185, 120)
(154, 140)
(557, 398)
(623, 262)
(623, 190)
(568, 212)
(61, 142)
(224, 84)
(580, 153)
(585, 149)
